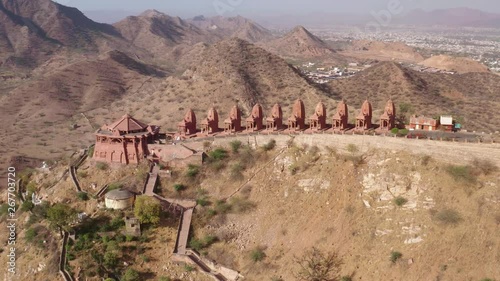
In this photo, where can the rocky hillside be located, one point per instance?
(471, 97)
(387, 212)
(299, 43)
(456, 64)
(34, 31)
(386, 51)
(239, 27)
(40, 112)
(230, 71)
(158, 32)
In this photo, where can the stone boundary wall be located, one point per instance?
(62, 259)
(101, 191)
(450, 152)
(182, 253)
(72, 172)
(74, 166)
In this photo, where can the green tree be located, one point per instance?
(61, 216)
(130, 275)
(110, 260)
(147, 210)
(405, 110)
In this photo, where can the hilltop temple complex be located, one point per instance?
(129, 141)
(256, 122)
(125, 141)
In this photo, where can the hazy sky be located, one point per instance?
(186, 8)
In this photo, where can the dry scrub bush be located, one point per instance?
(485, 166)
(316, 265)
(462, 173)
(448, 217)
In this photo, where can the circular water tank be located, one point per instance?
(119, 199)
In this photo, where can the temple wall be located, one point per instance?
(452, 152)
(115, 152)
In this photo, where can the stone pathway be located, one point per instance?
(181, 245)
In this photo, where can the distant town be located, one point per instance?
(480, 44)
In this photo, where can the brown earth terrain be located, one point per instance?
(284, 201)
(299, 43)
(230, 71)
(384, 51)
(460, 65)
(226, 27)
(471, 97)
(42, 115)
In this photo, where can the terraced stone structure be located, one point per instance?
(125, 141)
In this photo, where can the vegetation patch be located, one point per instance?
(218, 154)
(315, 265)
(485, 166)
(179, 187)
(257, 254)
(147, 210)
(462, 173)
(270, 145)
(235, 146)
(448, 217)
(400, 201)
(83, 196)
(200, 244)
(395, 256)
(192, 171)
(102, 166)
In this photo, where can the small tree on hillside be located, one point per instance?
(315, 265)
(405, 110)
(61, 216)
(147, 209)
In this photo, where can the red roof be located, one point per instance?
(127, 124)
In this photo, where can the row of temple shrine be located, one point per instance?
(296, 122)
(129, 140)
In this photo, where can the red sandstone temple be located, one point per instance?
(188, 125)
(318, 120)
(341, 117)
(364, 119)
(254, 122)
(210, 125)
(423, 123)
(125, 141)
(233, 122)
(275, 121)
(388, 118)
(297, 120)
